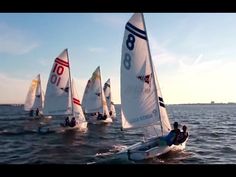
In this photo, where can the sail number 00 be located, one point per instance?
(130, 45)
(58, 70)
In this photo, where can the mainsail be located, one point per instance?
(34, 98)
(141, 102)
(57, 98)
(94, 99)
(107, 92)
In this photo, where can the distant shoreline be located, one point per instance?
(230, 103)
(11, 104)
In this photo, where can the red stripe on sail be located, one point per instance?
(62, 62)
(76, 101)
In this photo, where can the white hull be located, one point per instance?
(93, 120)
(147, 150)
(42, 117)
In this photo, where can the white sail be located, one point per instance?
(58, 87)
(104, 104)
(77, 109)
(34, 98)
(107, 92)
(92, 98)
(139, 92)
(142, 104)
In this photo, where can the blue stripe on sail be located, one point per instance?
(135, 28)
(136, 34)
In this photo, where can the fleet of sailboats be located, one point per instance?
(142, 103)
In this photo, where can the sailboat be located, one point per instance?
(94, 100)
(142, 104)
(110, 103)
(35, 98)
(61, 97)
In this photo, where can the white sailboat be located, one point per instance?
(60, 99)
(142, 104)
(110, 103)
(35, 98)
(94, 100)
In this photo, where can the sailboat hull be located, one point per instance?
(93, 120)
(79, 126)
(148, 149)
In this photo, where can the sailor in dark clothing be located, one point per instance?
(72, 122)
(104, 116)
(99, 116)
(37, 112)
(183, 135)
(31, 113)
(171, 138)
(67, 121)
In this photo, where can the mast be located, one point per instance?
(101, 90)
(153, 73)
(72, 106)
(41, 92)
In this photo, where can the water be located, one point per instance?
(211, 141)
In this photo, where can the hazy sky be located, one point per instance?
(194, 53)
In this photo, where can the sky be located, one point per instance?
(194, 53)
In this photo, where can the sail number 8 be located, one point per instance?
(58, 70)
(130, 45)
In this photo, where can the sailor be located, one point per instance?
(31, 113)
(37, 112)
(99, 116)
(72, 122)
(171, 138)
(183, 135)
(67, 121)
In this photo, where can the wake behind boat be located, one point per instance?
(142, 104)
